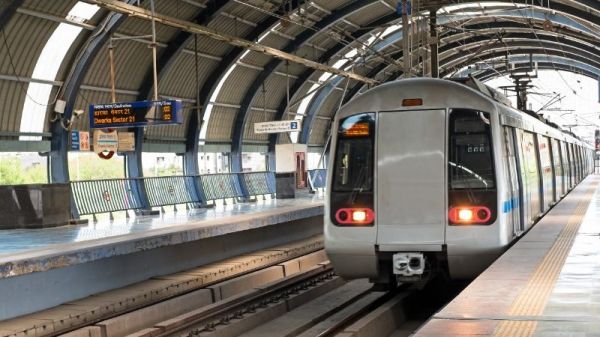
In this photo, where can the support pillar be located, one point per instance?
(433, 45)
(135, 170)
(405, 39)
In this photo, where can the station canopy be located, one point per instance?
(213, 55)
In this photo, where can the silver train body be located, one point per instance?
(429, 174)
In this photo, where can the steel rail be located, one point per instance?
(235, 307)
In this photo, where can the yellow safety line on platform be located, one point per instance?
(532, 299)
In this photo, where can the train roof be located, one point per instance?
(458, 93)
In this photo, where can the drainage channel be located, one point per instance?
(404, 312)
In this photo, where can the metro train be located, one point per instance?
(433, 175)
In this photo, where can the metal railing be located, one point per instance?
(220, 186)
(112, 195)
(258, 183)
(163, 191)
(104, 195)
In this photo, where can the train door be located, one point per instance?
(558, 170)
(566, 166)
(512, 205)
(546, 172)
(411, 178)
(528, 168)
(572, 165)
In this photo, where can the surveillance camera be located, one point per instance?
(78, 112)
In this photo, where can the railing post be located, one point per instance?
(241, 183)
(135, 172)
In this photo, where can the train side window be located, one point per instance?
(556, 159)
(471, 164)
(544, 149)
(565, 162)
(529, 151)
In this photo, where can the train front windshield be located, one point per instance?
(471, 174)
(470, 162)
(351, 196)
(354, 156)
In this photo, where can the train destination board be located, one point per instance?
(135, 114)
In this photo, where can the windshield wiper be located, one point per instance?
(360, 180)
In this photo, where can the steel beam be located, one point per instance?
(313, 109)
(194, 28)
(177, 45)
(458, 61)
(433, 45)
(489, 74)
(302, 38)
(59, 168)
(308, 73)
(573, 57)
(174, 48)
(210, 86)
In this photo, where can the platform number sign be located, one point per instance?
(278, 126)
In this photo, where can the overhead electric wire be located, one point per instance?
(21, 80)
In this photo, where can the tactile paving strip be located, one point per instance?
(532, 299)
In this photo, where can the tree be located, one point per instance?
(11, 172)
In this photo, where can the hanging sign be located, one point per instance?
(135, 114)
(105, 141)
(126, 142)
(278, 126)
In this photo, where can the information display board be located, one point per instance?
(135, 114)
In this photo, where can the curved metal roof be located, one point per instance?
(238, 88)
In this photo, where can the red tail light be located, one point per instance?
(355, 216)
(466, 215)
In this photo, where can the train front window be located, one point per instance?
(354, 154)
(470, 161)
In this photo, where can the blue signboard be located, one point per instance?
(75, 141)
(135, 114)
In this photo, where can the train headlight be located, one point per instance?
(359, 216)
(465, 214)
(355, 216)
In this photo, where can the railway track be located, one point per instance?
(311, 302)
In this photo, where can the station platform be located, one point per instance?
(41, 268)
(547, 284)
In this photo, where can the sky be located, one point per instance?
(579, 105)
